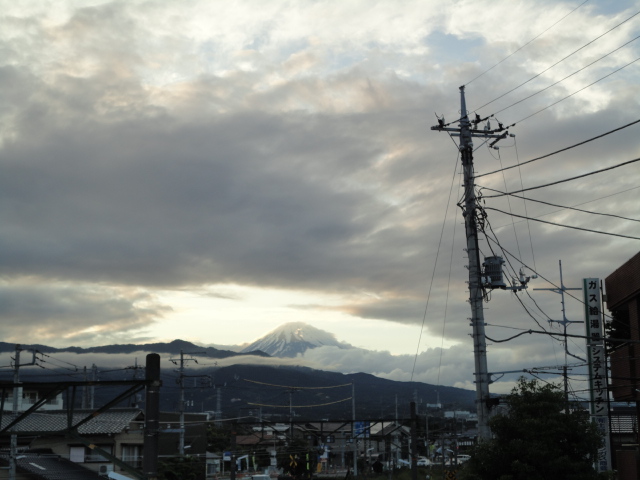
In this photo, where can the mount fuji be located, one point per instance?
(292, 339)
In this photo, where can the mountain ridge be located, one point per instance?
(173, 347)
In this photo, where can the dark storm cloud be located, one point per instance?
(50, 312)
(246, 197)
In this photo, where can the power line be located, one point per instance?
(300, 406)
(563, 207)
(561, 150)
(513, 225)
(534, 38)
(567, 179)
(533, 256)
(559, 61)
(563, 225)
(297, 388)
(579, 300)
(435, 264)
(577, 91)
(446, 302)
(495, 240)
(568, 76)
(577, 204)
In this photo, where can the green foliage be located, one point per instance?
(218, 438)
(182, 468)
(537, 439)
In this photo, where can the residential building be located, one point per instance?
(623, 301)
(119, 432)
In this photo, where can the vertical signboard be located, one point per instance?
(361, 429)
(597, 367)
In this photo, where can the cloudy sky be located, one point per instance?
(210, 170)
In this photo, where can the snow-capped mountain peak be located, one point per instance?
(293, 338)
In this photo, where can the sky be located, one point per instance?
(210, 170)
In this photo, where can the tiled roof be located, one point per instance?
(50, 467)
(111, 421)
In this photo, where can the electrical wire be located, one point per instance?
(509, 254)
(565, 226)
(559, 61)
(568, 293)
(515, 233)
(533, 255)
(495, 239)
(53, 359)
(567, 179)
(572, 94)
(544, 332)
(446, 302)
(538, 306)
(520, 48)
(563, 207)
(577, 204)
(424, 316)
(300, 406)
(561, 150)
(568, 76)
(296, 388)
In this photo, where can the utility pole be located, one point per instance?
(13, 447)
(181, 404)
(94, 377)
(564, 322)
(476, 293)
(414, 441)
(152, 417)
(353, 430)
(85, 390)
(291, 390)
(17, 396)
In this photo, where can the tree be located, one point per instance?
(218, 438)
(537, 439)
(182, 468)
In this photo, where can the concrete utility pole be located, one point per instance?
(94, 377)
(353, 429)
(475, 286)
(181, 404)
(476, 294)
(13, 446)
(414, 441)
(17, 397)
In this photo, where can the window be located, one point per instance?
(30, 397)
(76, 454)
(132, 454)
(82, 454)
(93, 456)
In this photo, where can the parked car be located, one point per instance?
(460, 459)
(423, 462)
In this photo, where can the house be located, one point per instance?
(29, 397)
(119, 432)
(623, 301)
